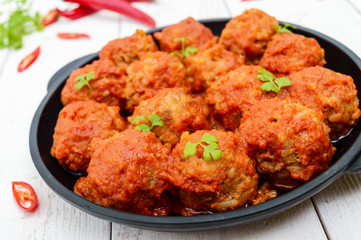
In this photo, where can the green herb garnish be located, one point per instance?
(271, 84)
(150, 122)
(19, 24)
(84, 80)
(284, 28)
(185, 52)
(211, 150)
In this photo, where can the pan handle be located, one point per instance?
(355, 167)
(65, 71)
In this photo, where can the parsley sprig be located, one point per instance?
(271, 84)
(149, 122)
(285, 28)
(19, 24)
(211, 150)
(185, 51)
(84, 80)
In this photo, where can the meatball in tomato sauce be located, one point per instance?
(207, 65)
(178, 110)
(122, 52)
(289, 52)
(214, 185)
(214, 123)
(249, 33)
(106, 85)
(126, 173)
(333, 93)
(286, 139)
(235, 92)
(78, 123)
(152, 73)
(196, 34)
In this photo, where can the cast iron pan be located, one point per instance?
(346, 160)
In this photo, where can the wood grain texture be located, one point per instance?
(339, 207)
(19, 98)
(281, 226)
(4, 54)
(356, 4)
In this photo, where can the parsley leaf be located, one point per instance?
(211, 150)
(209, 138)
(138, 118)
(185, 52)
(284, 28)
(175, 53)
(19, 24)
(283, 82)
(143, 127)
(149, 122)
(264, 75)
(189, 150)
(84, 80)
(271, 84)
(189, 50)
(156, 120)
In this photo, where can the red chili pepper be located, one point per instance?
(120, 6)
(138, 0)
(76, 13)
(25, 196)
(82, 11)
(28, 60)
(49, 18)
(72, 35)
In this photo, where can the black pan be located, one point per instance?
(345, 161)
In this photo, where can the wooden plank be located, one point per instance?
(3, 56)
(339, 207)
(55, 218)
(20, 97)
(356, 4)
(290, 223)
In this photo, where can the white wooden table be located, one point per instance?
(334, 213)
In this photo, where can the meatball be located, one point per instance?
(234, 93)
(107, 86)
(122, 52)
(207, 65)
(284, 137)
(215, 185)
(249, 33)
(288, 52)
(78, 123)
(178, 110)
(264, 193)
(152, 73)
(333, 93)
(126, 173)
(197, 35)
